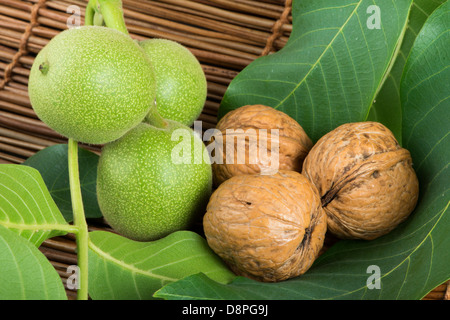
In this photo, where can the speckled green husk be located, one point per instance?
(181, 82)
(94, 85)
(142, 193)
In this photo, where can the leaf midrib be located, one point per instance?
(321, 56)
(39, 226)
(123, 265)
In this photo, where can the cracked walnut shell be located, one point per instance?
(365, 179)
(254, 125)
(266, 227)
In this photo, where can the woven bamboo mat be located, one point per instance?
(225, 35)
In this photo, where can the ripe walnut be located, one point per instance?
(250, 145)
(365, 179)
(266, 227)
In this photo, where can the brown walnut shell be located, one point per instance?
(365, 179)
(266, 227)
(245, 123)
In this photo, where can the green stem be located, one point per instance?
(110, 10)
(98, 19)
(155, 119)
(90, 13)
(98, 12)
(79, 220)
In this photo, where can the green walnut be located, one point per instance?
(92, 84)
(150, 185)
(181, 82)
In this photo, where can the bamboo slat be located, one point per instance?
(225, 35)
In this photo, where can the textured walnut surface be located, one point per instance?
(294, 144)
(365, 179)
(266, 227)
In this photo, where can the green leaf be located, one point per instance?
(411, 263)
(120, 268)
(387, 105)
(330, 69)
(52, 163)
(425, 99)
(25, 273)
(26, 207)
(415, 257)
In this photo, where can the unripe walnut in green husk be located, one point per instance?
(365, 179)
(144, 190)
(266, 227)
(181, 83)
(92, 84)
